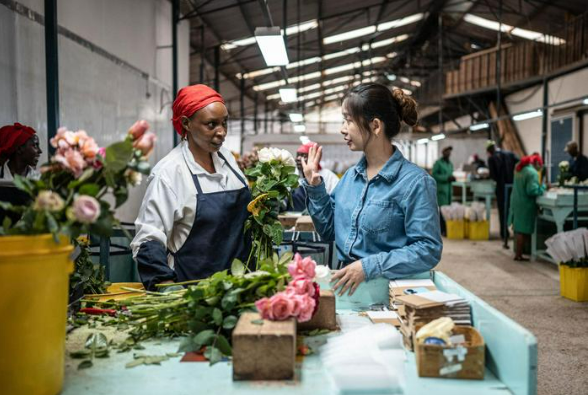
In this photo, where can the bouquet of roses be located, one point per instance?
(300, 299)
(70, 196)
(273, 177)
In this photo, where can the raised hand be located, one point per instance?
(310, 167)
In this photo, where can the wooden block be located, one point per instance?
(325, 317)
(304, 224)
(288, 221)
(264, 352)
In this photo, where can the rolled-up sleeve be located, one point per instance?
(153, 227)
(321, 207)
(422, 251)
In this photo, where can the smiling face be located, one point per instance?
(207, 128)
(351, 132)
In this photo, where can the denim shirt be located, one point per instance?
(390, 222)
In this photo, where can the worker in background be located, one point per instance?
(477, 162)
(501, 164)
(578, 162)
(192, 219)
(382, 216)
(19, 155)
(443, 174)
(523, 206)
(299, 194)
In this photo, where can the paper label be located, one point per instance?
(458, 352)
(457, 339)
(449, 369)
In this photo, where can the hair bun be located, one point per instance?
(408, 107)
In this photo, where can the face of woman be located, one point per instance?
(207, 128)
(351, 132)
(30, 151)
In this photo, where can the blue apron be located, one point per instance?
(217, 236)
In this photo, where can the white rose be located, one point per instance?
(265, 155)
(276, 154)
(287, 158)
(321, 273)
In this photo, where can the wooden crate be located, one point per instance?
(304, 224)
(264, 352)
(325, 317)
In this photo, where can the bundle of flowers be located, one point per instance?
(564, 173)
(70, 196)
(273, 178)
(300, 299)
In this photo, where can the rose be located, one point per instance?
(97, 163)
(264, 307)
(564, 165)
(322, 272)
(307, 306)
(89, 148)
(287, 158)
(138, 129)
(133, 177)
(281, 306)
(265, 155)
(301, 286)
(302, 267)
(145, 143)
(86, 209)
(64, 139)
(48, 200)
(72, 160)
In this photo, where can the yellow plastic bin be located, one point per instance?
(478, 230)
(33, 303)
(573, 283)
(455, 229)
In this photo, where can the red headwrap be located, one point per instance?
(12, 137)
(305, 149)
(529, 160)
(191, 99)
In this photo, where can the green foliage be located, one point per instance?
(88, 273)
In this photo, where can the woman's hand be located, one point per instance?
(310, 167)
(349, 278)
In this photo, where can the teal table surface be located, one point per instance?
(510, 362)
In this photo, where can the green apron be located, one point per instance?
(442, 171)
(523, 206)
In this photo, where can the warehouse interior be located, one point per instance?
(488, 76)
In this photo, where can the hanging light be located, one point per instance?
(288, 95)
(527, 115)
(296, 117)
(271, 43)
(479, 126)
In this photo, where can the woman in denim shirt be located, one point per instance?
(383, 214)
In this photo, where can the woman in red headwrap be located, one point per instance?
(523, 208)
(191, 221)
(19, 151)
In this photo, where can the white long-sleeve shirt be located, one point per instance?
(169, 206)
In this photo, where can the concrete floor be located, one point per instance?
(528, 292)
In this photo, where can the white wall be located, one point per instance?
(96, 93)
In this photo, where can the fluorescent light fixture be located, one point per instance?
(275, 96)
(335, 89)
(422, 141)
(304, 139)
(313, 95)
(291, 30)
(415, 83)
(258, 73)
(304, 62)
(515, 31)
(296, 117)
(271, 43)
(527, 115)
(309, 88)
(388, 41)
(309, 76)
(479, 126)
(438, 137)
(404, 79)
(339, 54)
(407, 91)
(331, 97)
(300, 128)
(585, 102)
(391, 55)
(310, 103)
(364, 31)
(288, 95)
(391, 77)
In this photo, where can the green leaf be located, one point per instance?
(121, 195)
(118, 155)
(258, 321)
(135, 363)
(237, 268)
(80, 354)
(109, 178)
(217, 316)
(230, 322)
(6, 223)
(213, 300)
(213, 355)
(187, 345)
(223, 345)
(24, 184)
(89, 189)
(204, 338)
(285, 258)
(85, 364)
(85, 176)
(228, 301)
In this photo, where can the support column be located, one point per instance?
(51, 71)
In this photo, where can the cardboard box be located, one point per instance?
(288, 221)
(384, 317)
(264, 352)
(459, 361)
(304, 224)
(325, 317)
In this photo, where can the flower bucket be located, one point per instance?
(478, 230)
(573, 283)
(33, 304)
(455, 229)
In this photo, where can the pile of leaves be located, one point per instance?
(87, 274)
(205, 313)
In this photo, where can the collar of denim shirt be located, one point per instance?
(390, 169)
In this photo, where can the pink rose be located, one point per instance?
(281, 306)
(64, 139)
(98, 164)
(72, 160)
(301, 286)
(306, 308)
(138, 129)
(264, 307)
(89, 148)
(302, 267)
(145, 143)
(86, 209)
